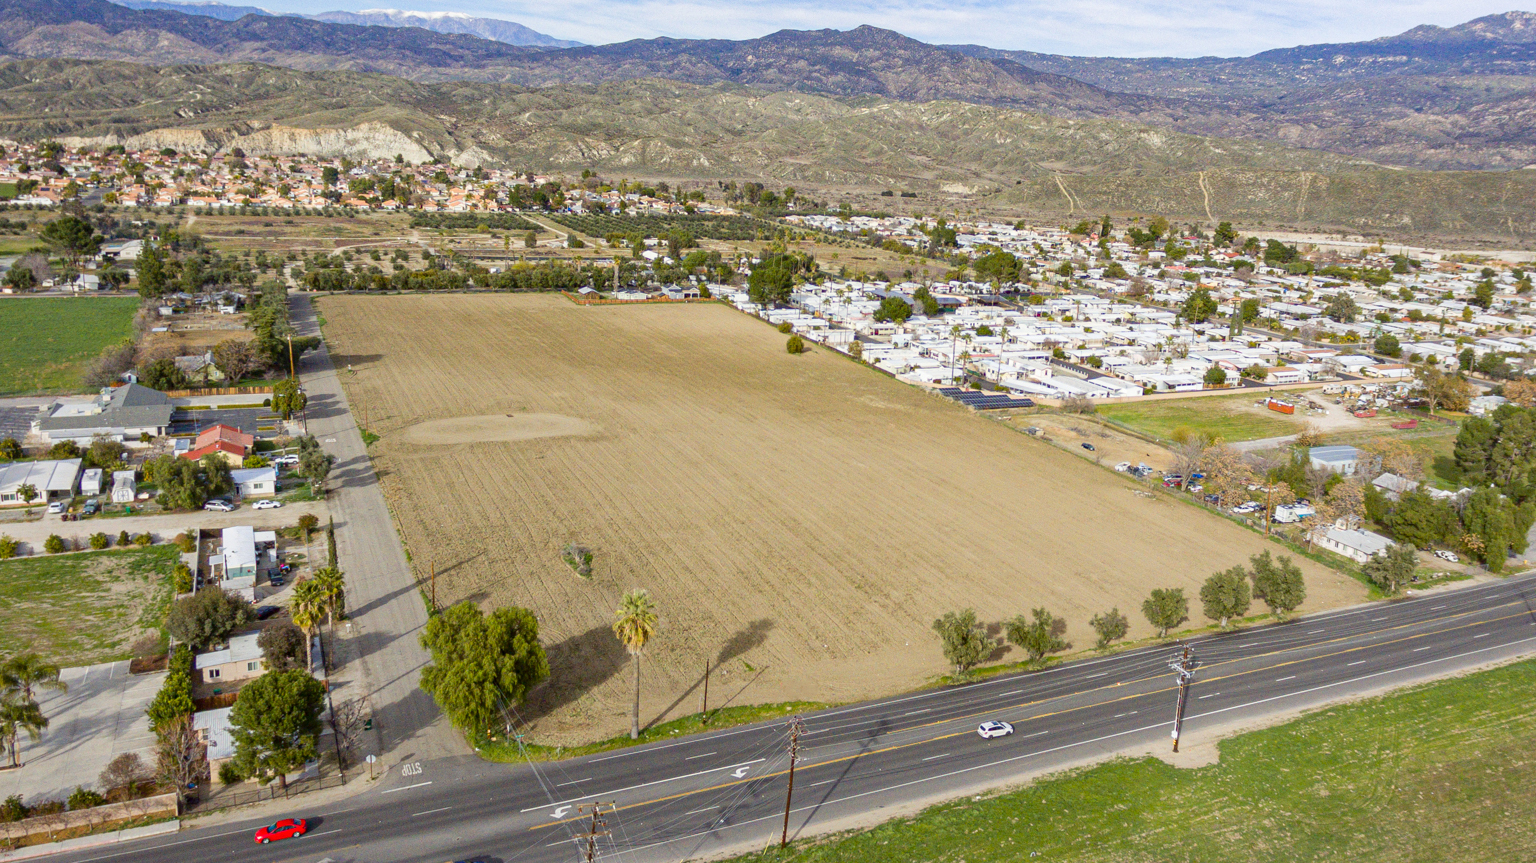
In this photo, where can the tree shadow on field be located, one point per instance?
(577, 666)
(744, 640)
(1000, 646)
(341, 361)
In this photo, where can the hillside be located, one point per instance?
(1012, 159)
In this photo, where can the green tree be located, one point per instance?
(99, 541)
(1420, 520)
(163, 375)
(174, 700)
(1392, 568)
(1037, 635)
(893, 309)
(997, 267)
(1387, 345)
(307, 608)
(480, 662)
(275, 724)
(283, 647)
(1482, 295)
(151, 270)
(1165, 609)
(1342, 308)
(10, 449)
(795, 345)
(28, 673)
(307, 524)
(288, 398)
(71, 237)
(18, 717)
(634, 624)
(9, 545)
(771, 280)
(964, 641)
(1110, 626)
(1224, 234)
(1278, 583)
(1199, 307)
(332, 590)
(207, 617)
(1226, 595)
(21, 279)
(1250, 310)
(27, 492)
(1215, 376)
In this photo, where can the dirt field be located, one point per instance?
(800, 519)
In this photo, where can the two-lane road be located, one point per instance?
(708, 793)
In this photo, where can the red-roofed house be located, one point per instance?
(227, 442)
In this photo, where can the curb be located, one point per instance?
(116, 836)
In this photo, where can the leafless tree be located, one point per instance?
(179, 758)
(347, 725)
(124, 772)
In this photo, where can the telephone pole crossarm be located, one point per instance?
(795, 727)
(595, 829)
(1183, 664)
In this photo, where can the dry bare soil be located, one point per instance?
(800, 519)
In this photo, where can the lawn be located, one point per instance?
(1233, 418)
(45, 342)
(84, 608)
(1441, 772)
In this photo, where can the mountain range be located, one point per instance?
(494, 29)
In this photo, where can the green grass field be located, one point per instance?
(78, 609)
(1231, 417)
(45, 342)
(1437, 773)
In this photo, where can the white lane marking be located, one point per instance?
(1314, 632)
(941, 755)
(705, 809)
(1212, 695)
(1358, 662)
(1484, 635)
(430, 812)
(1284, 679)
(1118, 715)
(915, 712)
(740, 772)
(560, 812)
(1425, 647)
(405, 787)
(814, 784)
(705, 755)
(1438, 607)
(1092, 676)
(1374, 619)
(1037, 734)
(573, 782)
(741, 768)
(324, 833)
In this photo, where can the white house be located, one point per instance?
(1342, 460)
(1358, 545)
(255, 481)
(49, 480)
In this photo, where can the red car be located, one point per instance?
(284, 829)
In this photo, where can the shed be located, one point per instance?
(123, 486)
(90, 482)
(1341, 459)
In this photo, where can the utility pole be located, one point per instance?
(593, 832)
(291, 372)
(704, 707)
(795, 727)
(433, 588)
(1183, 665)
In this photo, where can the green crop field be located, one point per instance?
(1441, 772)
(45, 342)
(84, 608)
(1233, 418)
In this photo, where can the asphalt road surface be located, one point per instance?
(725, 791)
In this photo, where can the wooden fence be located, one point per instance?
(163, 805)
(219, 391)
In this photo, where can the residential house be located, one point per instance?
(49, 480)
(241, 660)
(222, 441)
(255, 481)
(1342, 460)
(120, 414)
(1358, 545)
(216, 731)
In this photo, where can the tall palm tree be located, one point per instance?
(28, 672)
(634, 623)
(307, 609)
(18, 716)
(333, 591)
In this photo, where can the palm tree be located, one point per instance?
(634, 623)
(307, 609)
(333, 592)
(17, 716)
(27, 672)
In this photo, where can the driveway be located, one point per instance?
(99, 718)
(163, 526)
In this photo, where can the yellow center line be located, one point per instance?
(1027, 704)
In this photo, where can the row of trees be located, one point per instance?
(1225, 596)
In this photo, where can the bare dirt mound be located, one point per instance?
(495, 428)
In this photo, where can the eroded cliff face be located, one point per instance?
(366, 141)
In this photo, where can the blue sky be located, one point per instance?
(1123, 28)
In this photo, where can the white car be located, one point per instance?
(989, 730)
(267, 504)
(1447, 555)
(286, 460)
(58, 506)
(1123, 466)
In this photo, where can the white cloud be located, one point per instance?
(1123, 28)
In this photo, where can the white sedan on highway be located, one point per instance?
(988, 730)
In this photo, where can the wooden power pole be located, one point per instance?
(795, 728)
(595, 830)
(1184, 666)
(704, 707)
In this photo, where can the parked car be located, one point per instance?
(289, 459)
(266, 611)
(1447, 555)
(92, 507)
(267, 504)
(58, 507)
(287, 828)
(1123, 466)
(219, 506)
(277, 581)
(1088, 446)
(989, 730)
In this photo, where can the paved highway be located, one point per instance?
(725, 791)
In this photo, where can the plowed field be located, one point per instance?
(800, 519)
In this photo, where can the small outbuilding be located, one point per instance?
(1341, 459)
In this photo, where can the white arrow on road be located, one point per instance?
(740, 772)
(560, 813)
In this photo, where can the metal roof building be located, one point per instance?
(51, 479)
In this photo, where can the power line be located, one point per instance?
(795, 728)
(1183, 665)
(597, 822)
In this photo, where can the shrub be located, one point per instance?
(307, 524)
(13, 809)
(786, 328)
(143, 540)
(85, 798)
(53, 544)
(99, 541)
(229, 774)
(122, 538)
(795, 345)
(47, 807)
(8, 547)
(181, 578)
(185, 542)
